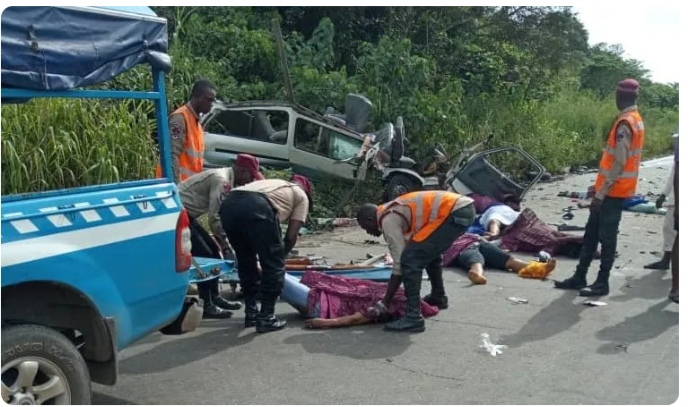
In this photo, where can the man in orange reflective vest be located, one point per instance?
(418, 227)
(617, 180)
(186, 133)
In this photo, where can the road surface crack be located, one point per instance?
(457, 379)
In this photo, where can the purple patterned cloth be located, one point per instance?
(337, 296)
(530, 234)
(464, 241)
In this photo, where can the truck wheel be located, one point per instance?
(400, 184)
(41, 366)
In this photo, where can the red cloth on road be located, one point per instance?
(342, 296)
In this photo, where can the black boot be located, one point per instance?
(266, 320)
(210, 310)
(437, 297)
(220, 301)
(251, 312)
(663, 264)
(575, 282)
(599, 288)
(413, 321)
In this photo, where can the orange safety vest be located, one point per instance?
(428, 211)
(625, 185)
(191, 159)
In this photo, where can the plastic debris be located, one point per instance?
(594, 303)
(490, 347)
(543, 257)
(517, 300)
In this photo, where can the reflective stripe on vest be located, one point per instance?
(428, 211)
(626, 183)
(191, 158)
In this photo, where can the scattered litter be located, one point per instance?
(517, 300)
(594, 303)
(490, 347)
(543, 257)
(368, 241)
(621, 347)
(388, 360)
(338, 222)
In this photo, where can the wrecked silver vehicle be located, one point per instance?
(285, 135)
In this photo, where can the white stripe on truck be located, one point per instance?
(57, 244)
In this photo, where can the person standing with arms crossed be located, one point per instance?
(616, 181)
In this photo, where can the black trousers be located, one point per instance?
(203, 245)
(252, 228)
(428, 254)
(602, 227)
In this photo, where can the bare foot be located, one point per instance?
(476, 278)
(550, 266)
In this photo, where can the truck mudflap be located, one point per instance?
(202, 269)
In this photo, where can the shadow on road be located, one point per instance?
(181, 350)
(560, 315)
(104, 399)
(653, 285)
(363, 342)
(638, 328)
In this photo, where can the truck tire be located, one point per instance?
(41, 366)
(400, 184)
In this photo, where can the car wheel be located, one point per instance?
(41, 366)
(400, 184)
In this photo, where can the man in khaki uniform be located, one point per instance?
(251, 216)
(203, 193)
(186, 133)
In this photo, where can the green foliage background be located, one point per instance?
(455, 74)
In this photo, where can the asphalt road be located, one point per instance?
(559, 351)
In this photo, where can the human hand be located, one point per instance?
(660, 201)
(596, 204)
(377, 310)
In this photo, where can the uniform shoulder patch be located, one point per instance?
(225, 191)
(622, 132)
(176, 131)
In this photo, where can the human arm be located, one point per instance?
(676, 185)
(291, 237)
(667, 189)
(493, 230)
(177, 134)
(298, 217)
(622, 148)
(219, 188)
(348, 320)
(393, 227)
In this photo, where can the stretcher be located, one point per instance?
(206, 269)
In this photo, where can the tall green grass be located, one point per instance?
(58, 143)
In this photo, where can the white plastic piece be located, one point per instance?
(490, 347)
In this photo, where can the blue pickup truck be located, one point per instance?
(88, 271)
